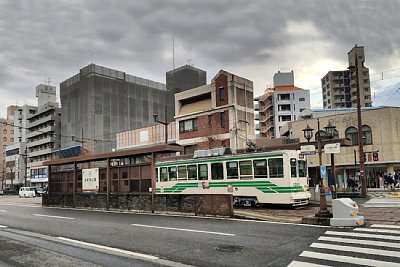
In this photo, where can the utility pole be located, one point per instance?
(360, 135)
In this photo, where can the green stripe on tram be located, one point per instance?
(263, 186)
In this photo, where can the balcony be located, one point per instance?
(41, 131)
(40, 152)
(41, 121)
(41, 142)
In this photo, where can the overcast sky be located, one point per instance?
(254, 39)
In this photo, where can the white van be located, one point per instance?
(27, 192)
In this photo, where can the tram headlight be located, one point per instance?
(306, 188)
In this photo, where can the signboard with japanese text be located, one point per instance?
(332, 148)
(90, 180)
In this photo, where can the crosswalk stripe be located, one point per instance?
(360, 241)
(385, 226)
(348, 259)
(372, 251)
(387, 237)
(304, 264)
(377, 231)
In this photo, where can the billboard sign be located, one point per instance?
(90, 180)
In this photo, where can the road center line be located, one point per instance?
(3, 211)
(56, 217)
(126, 252)
(182, 229)
(3, 226)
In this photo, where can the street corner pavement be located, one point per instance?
(276, 213)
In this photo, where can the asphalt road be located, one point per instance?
(164, 240)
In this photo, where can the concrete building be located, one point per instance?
(381, 141)
(215, 115)
(16, 168)
(6, 138)
(99, 102)
(339, 88)
(182, 79)
(44, 135)
(280, 104)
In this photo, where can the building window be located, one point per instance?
(11, 139)
(5, 131)
(302, 99)
(4, 139)
(221, 93)
(367, 135)
(188, 125)
(222, 119)
(31, 111)
(352, 134)
(284, 97)
(12, 131)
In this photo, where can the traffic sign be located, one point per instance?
(323, 172)
(307, 148)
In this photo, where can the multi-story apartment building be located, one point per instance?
(44, 135)
(6, 138)
(339, 88)
(220, 114)
(280, 104)
(16, 168)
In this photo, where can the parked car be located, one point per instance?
(40, 191)
(1, 192)
(27, 192)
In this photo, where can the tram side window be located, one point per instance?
(217, 171)
(203, 172)
(293, 168)
(246, 169)
(182, 173)
(302, 168)
(275, 168)
(157, 176)
(260, 168)
(192, 172)
(164, 174)
(172, 173)
(232, 170)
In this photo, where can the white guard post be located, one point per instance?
(345, 213)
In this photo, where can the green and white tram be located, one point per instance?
(278, 177)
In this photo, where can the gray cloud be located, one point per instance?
(43, 38)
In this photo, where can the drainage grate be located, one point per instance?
(229, 248)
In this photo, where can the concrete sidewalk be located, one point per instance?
(376, 210)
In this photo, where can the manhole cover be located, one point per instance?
(229, 248)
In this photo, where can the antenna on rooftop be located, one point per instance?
(173, 52)
(189, 61)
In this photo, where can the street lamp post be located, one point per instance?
(323, 210)
(330, 133)
(165, 123)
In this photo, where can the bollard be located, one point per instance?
(345, 213)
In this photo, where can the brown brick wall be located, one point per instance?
(221, 81)
(204, 129)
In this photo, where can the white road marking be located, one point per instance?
(3, 211)
(370, 251)
(126, 252)
(304, 264)
(387, 237)
(377, 231)
(56, 217)
(360, 241)
(19, 205)
(385, 226)
(348, 259)
(3, 226)
(182, 229)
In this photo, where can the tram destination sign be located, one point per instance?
(90, 180)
